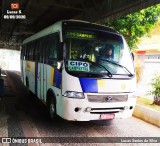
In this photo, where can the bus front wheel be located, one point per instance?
(52, 109)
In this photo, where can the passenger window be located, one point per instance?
(32, 47)
(37, 51)
(22, 52)
(52, 49)
(28, 52)
(42, 50)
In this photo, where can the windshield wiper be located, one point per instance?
(109, 74)
(130, 74)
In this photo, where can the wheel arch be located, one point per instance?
(50, 94)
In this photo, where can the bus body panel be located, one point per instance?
(70, 83)
(95, 85)
(104, 87)
(43, 80)
(30, 75)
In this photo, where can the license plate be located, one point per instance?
(107, 116)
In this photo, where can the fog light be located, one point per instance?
(77, 109)
(131, 107)
(88, 109)
(126, 107)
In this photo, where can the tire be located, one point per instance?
(27, 85)
(52, 109)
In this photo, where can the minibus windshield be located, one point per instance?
(97, 52)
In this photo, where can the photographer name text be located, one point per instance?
(14, 15)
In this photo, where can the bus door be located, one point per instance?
(42, 82)
(38, 63)
(44, 78)
(40, 70)
(23, 63)
(48, 57)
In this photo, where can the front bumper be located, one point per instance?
(82, 110)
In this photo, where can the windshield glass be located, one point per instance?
(97, 52)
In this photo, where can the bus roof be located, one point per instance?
(53, 28)
(88, 25)
(71, 23)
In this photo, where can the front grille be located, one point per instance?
(114, 108)
(107, 98)
(106, 110)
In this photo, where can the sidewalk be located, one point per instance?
(10, 124)
(147, 114)
(142, 112)
(3, 115)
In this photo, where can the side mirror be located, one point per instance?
(59, 65)
(60, 51)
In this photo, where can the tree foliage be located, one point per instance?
(156, 89)
(136, 25)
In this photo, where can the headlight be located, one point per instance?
(72, 94)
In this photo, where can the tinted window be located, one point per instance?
(42, 50)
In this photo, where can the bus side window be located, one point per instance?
(52, 50)
(33, 50)
(37, 52)
(23, 52)
(41, 50)
(27, 52)
(47, 42)
(32, 46)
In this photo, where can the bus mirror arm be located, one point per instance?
(132, 54)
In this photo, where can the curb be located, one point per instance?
(149, 115)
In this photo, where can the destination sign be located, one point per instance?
(80, 35)
(78, 66)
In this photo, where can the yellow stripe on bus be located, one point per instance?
(34, 68)
(52, 77)
(28, 66)
(101, 84)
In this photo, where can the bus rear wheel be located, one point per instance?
(52, 109)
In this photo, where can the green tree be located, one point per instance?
(136, 25)
(156, 89)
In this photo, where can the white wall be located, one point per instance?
(150, 68)
(10, 59)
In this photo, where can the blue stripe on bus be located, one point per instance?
(57, 78)
(36, 78)
(89, 85)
